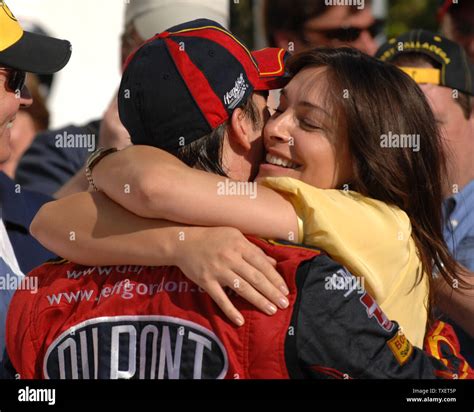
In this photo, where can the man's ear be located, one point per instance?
(240, 127)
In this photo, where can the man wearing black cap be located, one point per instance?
(20, 52)
(444, 73)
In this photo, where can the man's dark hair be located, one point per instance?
(414, 58)
(205, 153)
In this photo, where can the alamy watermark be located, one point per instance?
(232, 188)
(15, 282)
(28, 394)
(394, 140)
(342, 280)
(75, 141)
(359, 3)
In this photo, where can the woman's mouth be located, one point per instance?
(280, 161)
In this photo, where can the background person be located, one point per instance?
(449, 88)
(457, 23)
(59, 171)
(20, 52)
(305, 24)
(29, 121)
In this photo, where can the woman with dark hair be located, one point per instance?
(332, 179)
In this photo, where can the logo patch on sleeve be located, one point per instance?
(400, 347)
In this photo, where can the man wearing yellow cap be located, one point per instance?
(20, 52)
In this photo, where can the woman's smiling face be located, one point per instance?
(301, 137)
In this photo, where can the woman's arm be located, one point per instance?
(155, 184)
(91, 229)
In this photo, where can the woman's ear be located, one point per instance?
(239, 130)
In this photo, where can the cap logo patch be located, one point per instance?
(234, 96)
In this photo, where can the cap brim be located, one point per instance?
(271, 65)
(38, 54)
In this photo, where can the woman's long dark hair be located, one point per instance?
(371, 99)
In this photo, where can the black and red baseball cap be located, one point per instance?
(184, 82)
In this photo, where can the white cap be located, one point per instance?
(154, 16)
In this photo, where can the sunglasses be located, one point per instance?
(350, 34)
(15, 79)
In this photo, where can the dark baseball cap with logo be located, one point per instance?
(184, 82)
(456, 71)
(29, 52)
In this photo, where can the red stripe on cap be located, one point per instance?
(224, 39)
(208, 102)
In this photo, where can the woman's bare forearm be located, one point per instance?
(91, 229)
(154, 184)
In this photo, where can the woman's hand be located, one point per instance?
(219, 257)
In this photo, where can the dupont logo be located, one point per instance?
(136, 347)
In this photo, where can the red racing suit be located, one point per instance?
(153, 323)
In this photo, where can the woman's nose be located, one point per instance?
(277, 131)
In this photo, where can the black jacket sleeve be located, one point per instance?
(342, 333)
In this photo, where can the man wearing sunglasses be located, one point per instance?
(302, 24)
(20, 52)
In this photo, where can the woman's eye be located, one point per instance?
(308, 125)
